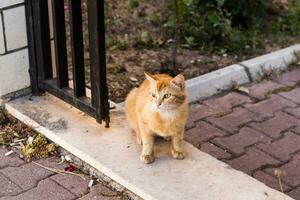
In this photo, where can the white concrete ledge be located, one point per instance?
(217, 81)
(113, 152)
(275, 61)
(212, 83)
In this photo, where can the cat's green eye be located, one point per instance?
(167, 96)
(153, 95)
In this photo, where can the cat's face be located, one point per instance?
(166, 93)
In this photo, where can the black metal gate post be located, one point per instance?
(97, 55)
(42, 60)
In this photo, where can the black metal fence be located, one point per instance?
(49, 68)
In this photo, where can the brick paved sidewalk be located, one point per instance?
(20, 181)
(255, 133)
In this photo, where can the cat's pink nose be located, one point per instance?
(158, 104)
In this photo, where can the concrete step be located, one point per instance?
(114, 152)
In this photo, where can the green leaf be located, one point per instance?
(220, 3)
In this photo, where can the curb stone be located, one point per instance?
(215, 82)
(212, 83)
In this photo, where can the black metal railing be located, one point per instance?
(49, 70)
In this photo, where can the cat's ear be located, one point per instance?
(179, 81)
(149, 78)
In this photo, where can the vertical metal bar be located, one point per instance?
(42, 39)
(77, 47)
(97, 59)
(31, 47)
(60, 43)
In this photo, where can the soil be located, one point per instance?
(137, 43)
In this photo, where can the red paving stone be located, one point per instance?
(19, 175)
(9, 161)
(270, 180)
(233, 121)
(260, 90)
(284, 147)
(202, 133)
(297, 130)
(268, 107)
(22, 181)
(225, 104)
(46, 189)
(100, 192)
(291, 170)
(215, 151)
(289, 78)
(295, 193)
(293, 111)
(252, 160)
(74, 184)
(238, 142)
(275, 126)
(8, 188)
(197, 112)
(293, 95)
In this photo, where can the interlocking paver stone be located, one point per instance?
(253, 159)
(268, 107)
(214, 151)
(197, 112)
(293, 111)
(275, 126)
(26, 176)
(52, 162)
(239, 141)
(46, 189)
(291, 169)
(293, 95)
(271, 181)
(237, 118)
(284, 147)
(297, 130)
(7, 187)
(289, 78)
(295, 193)
(100, 192)
(12, 160)
(74, 184)
(225, 104)
(260, 90)
(202, 133)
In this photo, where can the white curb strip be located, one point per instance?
(212, 83)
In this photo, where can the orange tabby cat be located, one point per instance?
(158, 107)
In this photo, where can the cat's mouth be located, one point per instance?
(163, 108)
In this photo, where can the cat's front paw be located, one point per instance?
(147, 159)
(179, 155)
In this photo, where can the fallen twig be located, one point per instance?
(58, 171)
(109, 195)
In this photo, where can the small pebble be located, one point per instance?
(90, 183)
(9, 153)
(133, 79)
(68, 158)
(30, 140)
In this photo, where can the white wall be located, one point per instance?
(14, 63)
